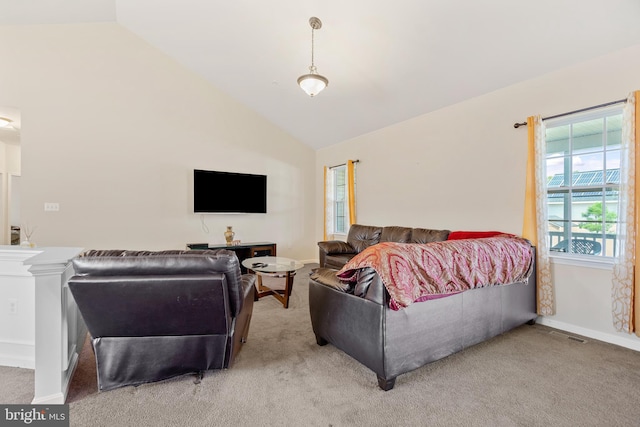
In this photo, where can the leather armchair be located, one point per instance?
(156, 315)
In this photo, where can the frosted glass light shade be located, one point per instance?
(4, 122)
(312, 84)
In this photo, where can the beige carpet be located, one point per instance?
(527, 377)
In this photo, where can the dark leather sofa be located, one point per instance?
(336, 253)
(356, 318)
(156, 315)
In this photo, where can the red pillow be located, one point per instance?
(457, 235)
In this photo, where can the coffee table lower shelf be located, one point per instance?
(281, 295)
(271, 266)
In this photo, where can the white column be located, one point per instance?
(47, 318)
(17, 309)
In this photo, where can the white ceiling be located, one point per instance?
(386, 61)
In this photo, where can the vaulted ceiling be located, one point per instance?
(386, 61)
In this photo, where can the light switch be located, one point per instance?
(51, 207)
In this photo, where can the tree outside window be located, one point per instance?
(596, 224)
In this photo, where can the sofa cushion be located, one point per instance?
(337, 261)
(327, 276)
(425, 235)
(335, 247)
(396, 234)
(362, 236)
(365, 277)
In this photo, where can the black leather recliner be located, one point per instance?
(156, 315)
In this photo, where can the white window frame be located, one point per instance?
(594, 261)
(340, 205)
(336, 201)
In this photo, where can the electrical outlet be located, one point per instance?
(51, 207)
(13, 306)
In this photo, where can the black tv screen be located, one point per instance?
(229, 192)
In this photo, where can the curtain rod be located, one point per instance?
(335, 166)
(517, 125)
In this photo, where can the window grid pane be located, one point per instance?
(582, 212)
(339, 207)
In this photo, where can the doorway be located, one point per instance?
(10, 172)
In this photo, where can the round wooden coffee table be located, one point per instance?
(273, 266)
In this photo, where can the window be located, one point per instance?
(339, 190)
(583, 172)
(339, 199)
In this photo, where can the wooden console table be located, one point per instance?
(243, 251)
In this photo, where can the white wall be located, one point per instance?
(463, 168)
(112, 130)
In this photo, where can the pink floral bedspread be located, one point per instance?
(414, 272)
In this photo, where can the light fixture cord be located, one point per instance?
(312, 43)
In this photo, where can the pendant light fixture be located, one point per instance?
(313, 83)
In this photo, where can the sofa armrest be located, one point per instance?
(336, 247)
(327, 277)
(248, 285)
(368, 285)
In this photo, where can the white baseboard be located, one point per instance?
(590, 333)
(16, 362)
(53, 399)
(18, 354)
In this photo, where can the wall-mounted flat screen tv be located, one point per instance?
(229, 192)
